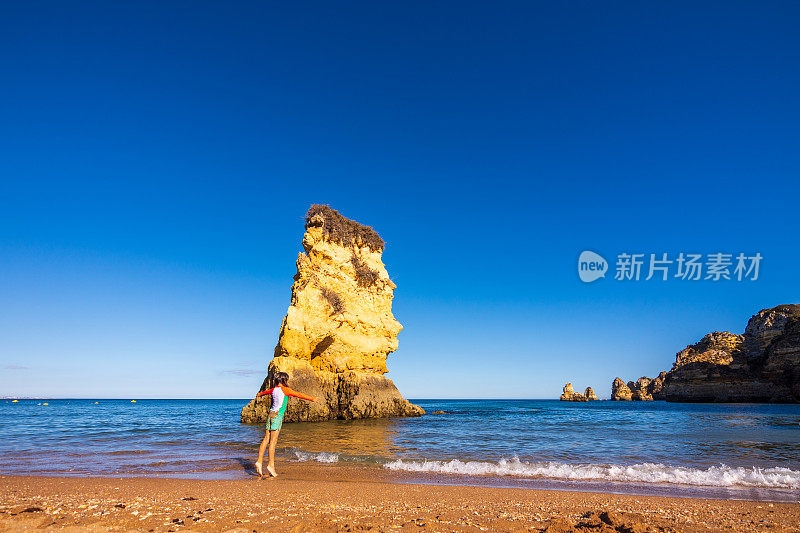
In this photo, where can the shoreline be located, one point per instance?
(310, 469)
(343, 498)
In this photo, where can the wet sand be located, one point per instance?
(337, 498)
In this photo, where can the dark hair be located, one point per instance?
(281, 378)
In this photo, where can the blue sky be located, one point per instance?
(158, 157)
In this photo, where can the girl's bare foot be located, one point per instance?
(271, 470)
(258, 469)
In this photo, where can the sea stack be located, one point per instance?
(339, 328)
(569, 394)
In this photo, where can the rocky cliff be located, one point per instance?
(761, 365)
(339, 328)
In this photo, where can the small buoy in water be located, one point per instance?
(45, 403)
(14, 401)
(133, 401)
(96, 403)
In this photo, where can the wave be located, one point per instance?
(321, 457)
(715, 476)
(122, 452)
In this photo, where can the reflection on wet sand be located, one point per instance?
(377, 438)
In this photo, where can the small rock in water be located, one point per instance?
(570, 395)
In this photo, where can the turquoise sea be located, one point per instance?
(717, 450)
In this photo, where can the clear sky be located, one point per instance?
(157, 158)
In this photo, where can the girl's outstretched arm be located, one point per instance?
(290, 392)
(264, 392)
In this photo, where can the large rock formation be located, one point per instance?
(590, 395)
(339, 329)
(762, 365)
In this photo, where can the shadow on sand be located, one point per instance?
(248, 466)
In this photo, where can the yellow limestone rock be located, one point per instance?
(339, 329)
(569, 395)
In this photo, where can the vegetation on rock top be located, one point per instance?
(341, 229)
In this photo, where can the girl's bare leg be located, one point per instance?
(261, 451)
(273, 441)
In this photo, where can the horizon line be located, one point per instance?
(228, 398)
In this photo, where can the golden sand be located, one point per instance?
(337, 498)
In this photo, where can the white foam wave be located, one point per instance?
(321, 457)
(715, 476)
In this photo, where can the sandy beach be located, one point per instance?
(336, 498)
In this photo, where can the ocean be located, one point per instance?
(741, 451)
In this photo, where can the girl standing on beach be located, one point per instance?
(280, 397)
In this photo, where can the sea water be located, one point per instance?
(717, 450)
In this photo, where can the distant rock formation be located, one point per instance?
(656, 387)
(569, 395)
(620, 391)
(640, 389)
(762, 365)
(643, 389)
(339, 328)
